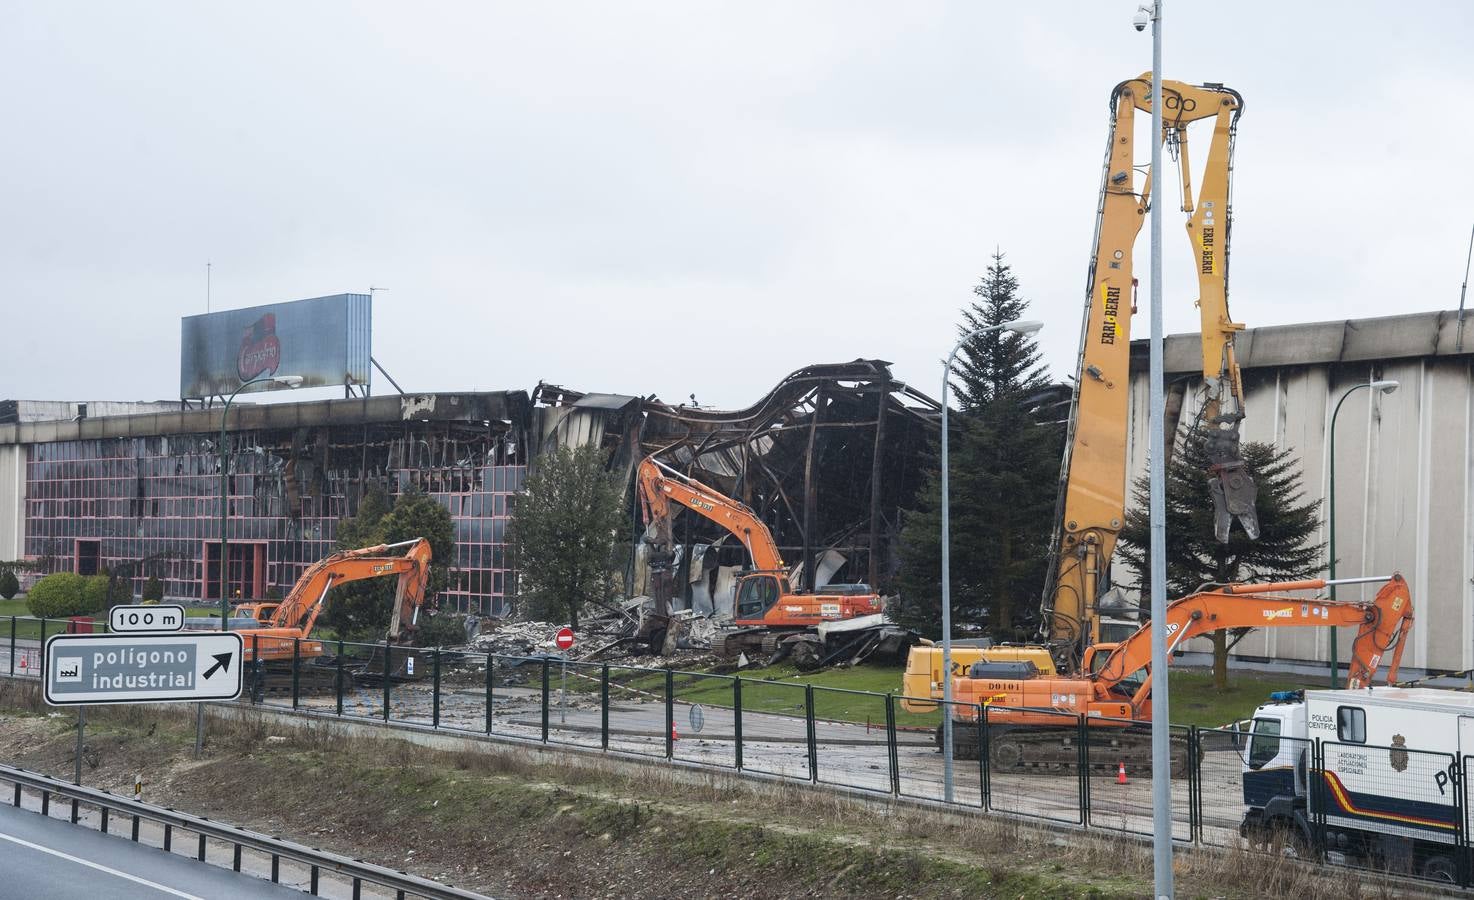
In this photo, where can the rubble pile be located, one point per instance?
(616, 631)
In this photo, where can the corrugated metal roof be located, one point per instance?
(1346, 340)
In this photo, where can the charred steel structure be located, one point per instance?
(828, 459)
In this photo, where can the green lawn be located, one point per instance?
(781, 689)
(1194, 702)
(27, 626)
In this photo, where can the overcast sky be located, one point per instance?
(684, 197)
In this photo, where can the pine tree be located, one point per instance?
(1004, 469)
(1283, 552)
(563, 528)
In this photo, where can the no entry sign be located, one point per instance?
(564, 638)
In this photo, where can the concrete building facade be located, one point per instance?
(1404, 462)
(143, 491)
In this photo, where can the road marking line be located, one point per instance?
(101, 868)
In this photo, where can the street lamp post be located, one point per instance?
(290, 381)
(1018, 327)
(1385, 387)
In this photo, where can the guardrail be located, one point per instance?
(318, 862)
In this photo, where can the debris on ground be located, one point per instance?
(607, 631)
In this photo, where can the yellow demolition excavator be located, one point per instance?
(1091, 502)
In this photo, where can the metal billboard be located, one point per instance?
(325, 340)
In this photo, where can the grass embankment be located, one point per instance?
(515, 823)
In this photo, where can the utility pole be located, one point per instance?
(1156, 469)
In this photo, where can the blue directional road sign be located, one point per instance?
(142, 668)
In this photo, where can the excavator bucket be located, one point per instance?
(1233, 489)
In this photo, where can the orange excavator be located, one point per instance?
(840, 622)
(292, 620)
(1033, 720)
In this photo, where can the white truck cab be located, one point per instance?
(1370, 774)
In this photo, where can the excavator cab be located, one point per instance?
(757, 595)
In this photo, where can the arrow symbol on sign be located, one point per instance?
(222, 661)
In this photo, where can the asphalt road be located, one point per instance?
(52, 858)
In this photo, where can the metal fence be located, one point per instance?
(1075, 770)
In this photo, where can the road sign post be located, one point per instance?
(563, 640)
(142, 668)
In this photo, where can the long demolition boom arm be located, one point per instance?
(308, 596)
(660, 485)
(1092, 495)
(1380, 623)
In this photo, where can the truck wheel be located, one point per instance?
(1281, 839)
(1440, 869)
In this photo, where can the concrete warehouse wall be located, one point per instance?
(1404, 470)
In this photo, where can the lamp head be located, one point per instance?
(290, 381)
(1386, 387)
(1022, 326)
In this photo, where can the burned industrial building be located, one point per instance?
(828, 459)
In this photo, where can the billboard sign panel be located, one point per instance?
(325, 340)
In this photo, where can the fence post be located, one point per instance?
(545, 699)
(737, 721)
(258, 690)
(12, 645)
(296, 670)
(604, 706)
(435, 688)
(1463, 814)
(813, 739)
(1082, 763)
(388, 649)
(338, 677)
(979, 720)
(491, 688)
(670, 712)
(1318, 799)
(893, 759)
(985, 757)
(1194, 784)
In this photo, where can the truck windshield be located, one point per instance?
(1264, 746)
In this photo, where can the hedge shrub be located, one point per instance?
(153, 590)
(9, 584)
(94, 596)
(60, 594)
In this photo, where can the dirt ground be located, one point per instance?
(516, 824)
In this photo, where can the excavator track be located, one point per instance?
(755, 642)
(1056, 751)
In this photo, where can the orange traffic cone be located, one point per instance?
(1121, 773)
(674, 735)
